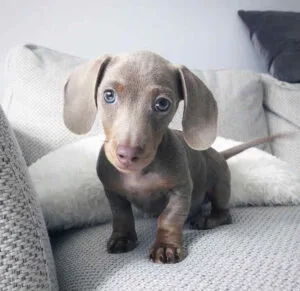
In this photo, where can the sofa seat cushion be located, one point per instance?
(259, 251)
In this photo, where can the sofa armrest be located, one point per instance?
(26, 260)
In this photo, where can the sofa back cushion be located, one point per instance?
(240, 99)
(34, 101)
(282, 102)
(239, 95)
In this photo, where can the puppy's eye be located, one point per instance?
(109, 96)
(162, 104)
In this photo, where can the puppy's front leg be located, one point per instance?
(123, 238)
(167, 246)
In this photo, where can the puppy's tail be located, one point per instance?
(227, 154)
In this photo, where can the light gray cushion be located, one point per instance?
(282, 101)
(26, 261)
(259, 251)
(33, 101)
(282, 98)
(287, 149)
(239, 95)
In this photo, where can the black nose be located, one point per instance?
(128, 154)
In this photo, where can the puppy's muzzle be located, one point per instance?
(129, 156)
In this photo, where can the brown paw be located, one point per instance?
(118, 243)
(165, 254)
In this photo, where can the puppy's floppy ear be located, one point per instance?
(200, 114)
(80, 95)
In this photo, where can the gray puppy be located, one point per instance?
(165, 172)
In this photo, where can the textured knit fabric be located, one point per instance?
(282, 98)
(259, 251)
(26, 261)
(33, 103)
(282, 102)
(286, 149)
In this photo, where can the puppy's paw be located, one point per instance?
(165, 254)
(214, 221)
(120, 243)
(199, 222)
(211, 221)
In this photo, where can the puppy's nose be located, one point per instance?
(128, 154)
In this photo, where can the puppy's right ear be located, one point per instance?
(80, 95)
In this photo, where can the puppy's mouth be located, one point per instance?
(128, 167)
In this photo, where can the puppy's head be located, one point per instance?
(137, 96)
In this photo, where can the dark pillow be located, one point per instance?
(276, 36)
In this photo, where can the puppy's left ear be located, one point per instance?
(200, 114)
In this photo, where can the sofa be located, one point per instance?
(259, 251)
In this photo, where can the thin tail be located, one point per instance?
(227, 154)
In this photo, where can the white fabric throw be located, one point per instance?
(71, 194)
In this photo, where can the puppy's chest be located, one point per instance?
(148, 192)
(144, 184)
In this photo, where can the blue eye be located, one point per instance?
(109, 96)
(162, 104)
